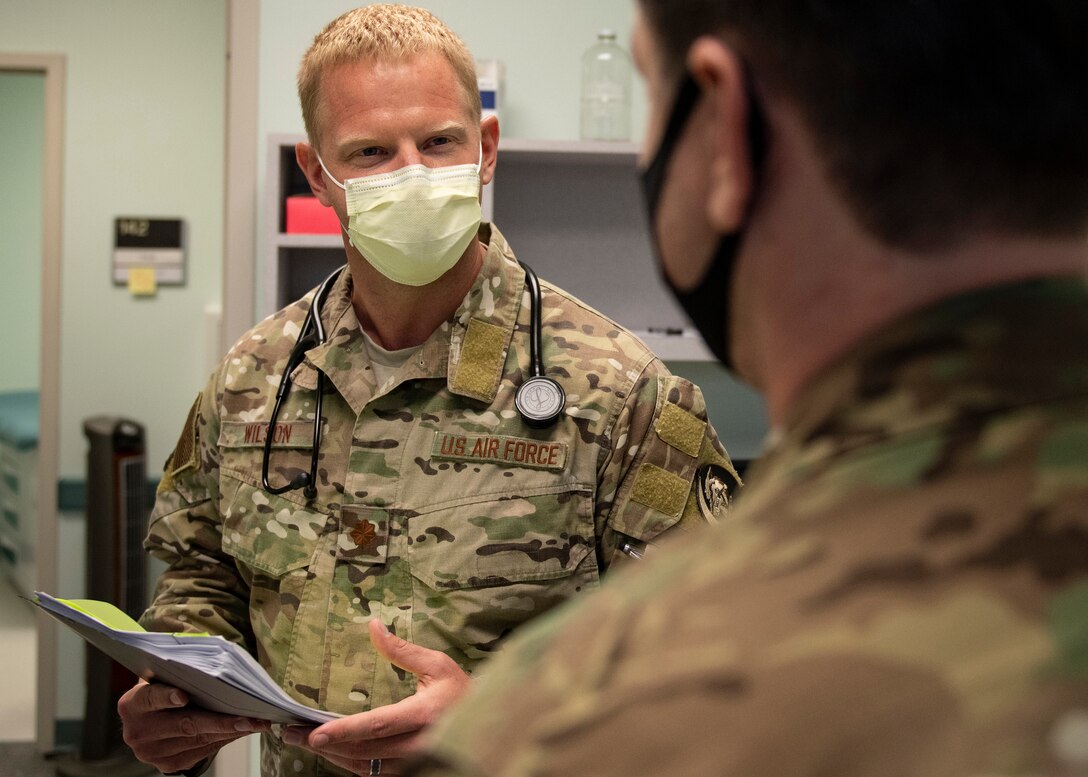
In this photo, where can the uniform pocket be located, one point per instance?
(275, 542)
(538, 536)
(267, 533)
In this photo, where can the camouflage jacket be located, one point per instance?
(901, 590)
(438, 510)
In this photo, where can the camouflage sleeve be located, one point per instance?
(666, 470)
(201, 590)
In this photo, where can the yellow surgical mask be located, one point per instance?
(413, 224)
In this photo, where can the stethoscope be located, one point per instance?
(539, 400)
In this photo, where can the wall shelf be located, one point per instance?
(571, 209)
(574, 212)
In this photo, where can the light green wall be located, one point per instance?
(22, 107)
(143, 135)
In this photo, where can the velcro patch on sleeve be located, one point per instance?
(660, 490)
(480, 365)
(681, 429)
(186, 454)
(500, 449)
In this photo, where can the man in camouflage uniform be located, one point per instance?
(441, 521)
(902, 587)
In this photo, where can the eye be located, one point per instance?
(370, 151)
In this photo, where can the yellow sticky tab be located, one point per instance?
(112, 617)
(105, 613)
(142, 281)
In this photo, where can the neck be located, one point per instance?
(812, 283)
(397, 316)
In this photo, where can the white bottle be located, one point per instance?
(606, 90)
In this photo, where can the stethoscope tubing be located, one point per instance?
(536, 361)
(312, 329)
(312, 335)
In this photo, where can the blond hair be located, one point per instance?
(383, 32)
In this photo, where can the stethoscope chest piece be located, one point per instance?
(539, 401)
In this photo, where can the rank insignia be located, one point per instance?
(363, 534)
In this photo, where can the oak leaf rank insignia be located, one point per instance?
(363, 534)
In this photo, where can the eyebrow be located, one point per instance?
(445, 128)
(449, 128)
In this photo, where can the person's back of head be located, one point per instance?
(935, 119)
(381, 33)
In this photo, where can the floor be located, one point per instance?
(18, 646)
(20, 759)
(19, 755)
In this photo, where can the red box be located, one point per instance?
(307, 216)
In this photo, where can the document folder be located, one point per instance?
(217, 674)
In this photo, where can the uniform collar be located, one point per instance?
(468, 350)
(985, 352)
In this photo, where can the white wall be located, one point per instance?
(22, 114)
(144, 118)
(540, 44)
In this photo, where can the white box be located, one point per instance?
(491, 79)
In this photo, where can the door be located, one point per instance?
(31, 126)
(22, 119)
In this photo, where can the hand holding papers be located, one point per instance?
(217, 674)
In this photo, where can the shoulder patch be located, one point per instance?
(714, 489)
(186, 454)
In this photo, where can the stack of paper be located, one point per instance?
(217, 674)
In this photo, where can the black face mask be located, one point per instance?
(707, 305)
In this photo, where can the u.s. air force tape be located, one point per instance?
(500, 449)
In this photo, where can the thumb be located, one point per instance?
(420, 661)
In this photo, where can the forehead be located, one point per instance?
(387, 89)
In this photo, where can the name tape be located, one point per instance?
(241, 434)
(507, 451)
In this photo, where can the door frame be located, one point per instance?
(240, 237)
(53, 67)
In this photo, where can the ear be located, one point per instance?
(489, 140)
(720, 73)
(308, 162)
